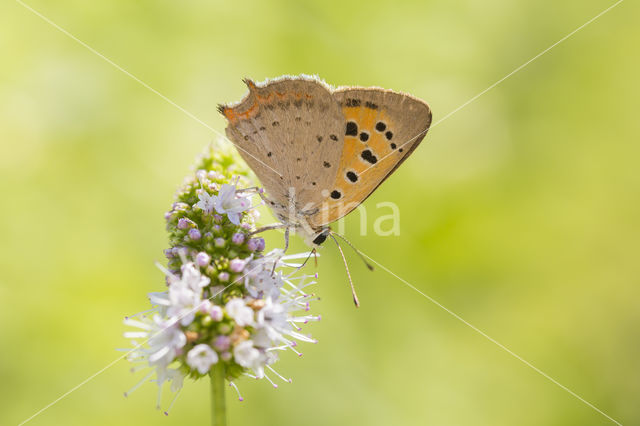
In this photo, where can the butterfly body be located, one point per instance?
(320, 152)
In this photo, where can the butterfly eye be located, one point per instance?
(320, 239)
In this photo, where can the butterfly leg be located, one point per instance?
(268, 228)
(286, 240)
(255, 189)
(286, 246)
(311, 253)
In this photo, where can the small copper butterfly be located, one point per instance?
(320, 152)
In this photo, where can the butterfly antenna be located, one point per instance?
(353, 290)
(370, 266)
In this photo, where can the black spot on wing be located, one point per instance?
(368, 156)
(352, 128)
(350, 102)
(352, 176)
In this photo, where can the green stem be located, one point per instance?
(218, 406)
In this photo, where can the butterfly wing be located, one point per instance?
(290, 132)
(381, 129)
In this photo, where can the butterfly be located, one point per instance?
(320, 152)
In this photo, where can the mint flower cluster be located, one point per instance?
(229, 307)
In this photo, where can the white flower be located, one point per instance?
(185, 294)
(207, 201)
(239, 311)
(201, 357)
(261, 338)
(228, 202)
(263, 283)
(184, 303)
(165, 340)
(256, 359)
(274, 319)
(173, 375)
(246, 355)
(192, 278)
(160, 301)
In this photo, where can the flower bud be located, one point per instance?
(216, 313)
(222, 343)
(237, 238)
(184, 223)
(236, 265)
(201, 175)
(194, 234)
(203, 259)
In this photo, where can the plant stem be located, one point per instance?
(218, 406)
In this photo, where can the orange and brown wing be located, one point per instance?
(382, 128)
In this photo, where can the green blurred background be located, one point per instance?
(519, 212)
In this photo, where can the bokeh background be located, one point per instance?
(519, 213)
